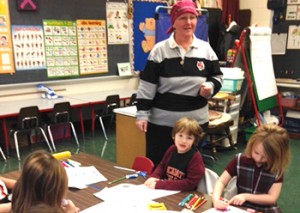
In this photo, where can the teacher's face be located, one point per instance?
(185, 24)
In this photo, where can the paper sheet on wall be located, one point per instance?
(278, 43)
(262, 64)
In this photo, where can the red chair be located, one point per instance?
(143, 164)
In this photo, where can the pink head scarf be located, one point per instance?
(179, 8)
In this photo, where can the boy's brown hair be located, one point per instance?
(191, 126)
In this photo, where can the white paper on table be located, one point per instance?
(230, 209)
(79, 177)
(123, 207)
(132, 193)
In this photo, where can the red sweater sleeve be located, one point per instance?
(194, 173)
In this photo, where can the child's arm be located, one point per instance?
(263, 199)
(218, 190)
(5, 207)
(9, 183)
(151, 182)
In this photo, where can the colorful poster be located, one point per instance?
(61, 48)
(117, 22)
(92, 47)
(28, 45)
(6, 54)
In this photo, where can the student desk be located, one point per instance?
(84, 198)
(94, 98)
(130, 142)
(12, 108)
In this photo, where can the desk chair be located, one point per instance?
(143, 164)
(220, 123)
(207, 183)
(61, 115)
(106, 111)
(132, 100)
(28, 119)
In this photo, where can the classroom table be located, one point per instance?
(95, 98)
(84, 198)
(12, 108)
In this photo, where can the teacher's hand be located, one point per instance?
(142, 125)
(206, 90)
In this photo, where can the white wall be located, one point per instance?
(260, 14)
(67, 87)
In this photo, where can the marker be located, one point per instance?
(200, 204)
(74, 163)
(124, 168)
(185, 200)
(94, 187)
(67, 162)
(117, 180)
(191, 202)
(64, 164)
(196, 203)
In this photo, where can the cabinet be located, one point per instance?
(292, 111)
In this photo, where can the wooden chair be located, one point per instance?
(143, 164)
(28, 119)
(220, 122)
(61, 115)
(107, 111)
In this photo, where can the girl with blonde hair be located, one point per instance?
(259, 171)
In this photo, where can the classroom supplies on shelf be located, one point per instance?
(48, 92)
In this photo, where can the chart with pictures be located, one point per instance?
(117, 22)
(92, 46)
(28, 45)
(293, 37)
(6, 52)
(61, 48)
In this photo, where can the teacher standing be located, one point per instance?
(181, 73)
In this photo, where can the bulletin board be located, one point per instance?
(286, 65)
(69, 10)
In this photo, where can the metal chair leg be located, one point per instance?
(46, 139)
(103, 128)
(3, 155)
(16, 144)
(74, 133)
(51, 138)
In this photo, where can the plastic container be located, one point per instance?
(232, 85)
(288, 101)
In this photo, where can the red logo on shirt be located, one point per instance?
(200, 65)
